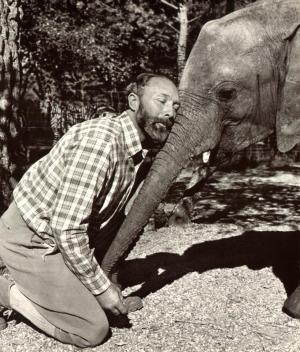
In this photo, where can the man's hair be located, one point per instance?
(138, 86)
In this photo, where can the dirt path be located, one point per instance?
(216, 285)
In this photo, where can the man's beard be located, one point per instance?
(156, 129)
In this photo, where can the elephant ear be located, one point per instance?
(288, 116)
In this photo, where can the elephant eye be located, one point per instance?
(226, 94)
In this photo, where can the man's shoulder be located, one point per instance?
(106, 126)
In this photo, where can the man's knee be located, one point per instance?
(97, 333)
(90, 336)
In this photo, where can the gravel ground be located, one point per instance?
(214, 285)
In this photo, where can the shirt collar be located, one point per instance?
(131, 138)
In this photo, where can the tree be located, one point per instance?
(90, 46)
(183, 33)
(181, 8)
(10, 120)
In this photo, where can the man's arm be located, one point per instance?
(86, 168)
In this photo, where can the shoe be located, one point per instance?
(292, 304)
(4, 300)
(3, 323)
(5, 286)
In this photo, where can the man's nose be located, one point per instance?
(169, 110)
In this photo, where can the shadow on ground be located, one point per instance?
(233, 205)
(254, 196)
(278, 250)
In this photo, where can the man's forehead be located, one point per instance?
(161, 85)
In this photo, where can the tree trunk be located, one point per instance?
(10, 121)
(182, 42)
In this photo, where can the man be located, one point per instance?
(66, 207)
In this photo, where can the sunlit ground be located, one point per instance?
(215, 285)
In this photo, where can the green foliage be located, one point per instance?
(95, 45)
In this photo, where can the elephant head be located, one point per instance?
(241, 83)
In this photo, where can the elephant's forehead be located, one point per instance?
(237, 37)
(229, 50)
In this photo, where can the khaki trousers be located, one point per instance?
(56, 293)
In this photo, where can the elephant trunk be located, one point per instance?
(181, 143)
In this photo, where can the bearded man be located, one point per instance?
(67, 208)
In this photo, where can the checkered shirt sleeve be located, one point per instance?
(86, 167)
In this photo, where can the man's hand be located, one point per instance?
(112, 300)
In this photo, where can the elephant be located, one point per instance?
(241, 83)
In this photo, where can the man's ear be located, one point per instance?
(133, 102)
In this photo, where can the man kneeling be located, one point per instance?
(66, 210)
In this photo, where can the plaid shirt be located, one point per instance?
(73, 194)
